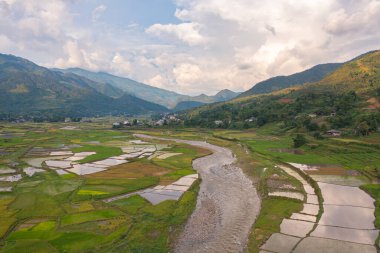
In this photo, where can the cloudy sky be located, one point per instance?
(190, 46)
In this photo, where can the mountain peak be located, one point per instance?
(226, 94)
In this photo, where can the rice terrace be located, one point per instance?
(189, 126)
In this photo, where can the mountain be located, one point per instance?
(225, 95)
(313, 74)
(29, 89)
(346, 98)
(156, 95)
(184, 105)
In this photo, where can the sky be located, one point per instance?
(190, 46)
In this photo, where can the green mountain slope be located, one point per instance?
(185, 105)
(26, 88)
(351, 94)
(163, 97)
(313, 74)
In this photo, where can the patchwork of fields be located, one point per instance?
(53, 182)
(85, 188)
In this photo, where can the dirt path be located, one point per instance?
(227, 204)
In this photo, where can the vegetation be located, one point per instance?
(273, 211)
(102, 152)
(30, 90)
(374, 191)
(52, 213)
(314, 74)
(299, 141)
(347, 99)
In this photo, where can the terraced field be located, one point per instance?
(54, 179)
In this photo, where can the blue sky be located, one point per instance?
(123, 13)
(190, 46)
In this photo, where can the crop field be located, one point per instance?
(260, 150)
(55, 210)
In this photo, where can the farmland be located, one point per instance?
(66, 210)
(56, 210)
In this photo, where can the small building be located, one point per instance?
(333, 132)
(251, 119)
(127, 123)
(116, 125)
(159, 122)
(312, 115)
(218, 122)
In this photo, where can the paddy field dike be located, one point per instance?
(83, 187)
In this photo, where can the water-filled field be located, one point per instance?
(55, 179)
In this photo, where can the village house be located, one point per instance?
(251, 119)
(159, 122)
(218, 122)
(116, 125)
(334, 133)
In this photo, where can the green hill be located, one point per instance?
(313, 74)
(28, 89)
(345, 99)
(185, 105)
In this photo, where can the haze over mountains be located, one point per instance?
(347, 97)
(27, 88)
(156, 95)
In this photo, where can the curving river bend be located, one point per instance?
(227, 204)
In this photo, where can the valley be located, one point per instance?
(93, 184)
(189, 126)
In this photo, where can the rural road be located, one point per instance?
(227, 204)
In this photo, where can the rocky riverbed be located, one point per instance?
(227, 204)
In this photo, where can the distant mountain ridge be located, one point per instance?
(343, 99)
(313, 74)
(156, 95)
(26, 88)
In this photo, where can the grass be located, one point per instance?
(352, 155)
(76, 218)
(273, 211)
(37, 246)
(374, 191)
(96, 188)
(183, 161)
(52, 213)
(134, 169)
(102, 152)
(155, 226)
(45, 226)
(131, 204)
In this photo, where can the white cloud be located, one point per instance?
(217, 44)
(98, 12)
(157, 81)
(121, 65)
(187, 32)
(364, 19)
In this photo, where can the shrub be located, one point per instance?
(299, 141)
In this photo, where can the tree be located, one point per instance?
(363, 128)
(318, 136)
(299, 141)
